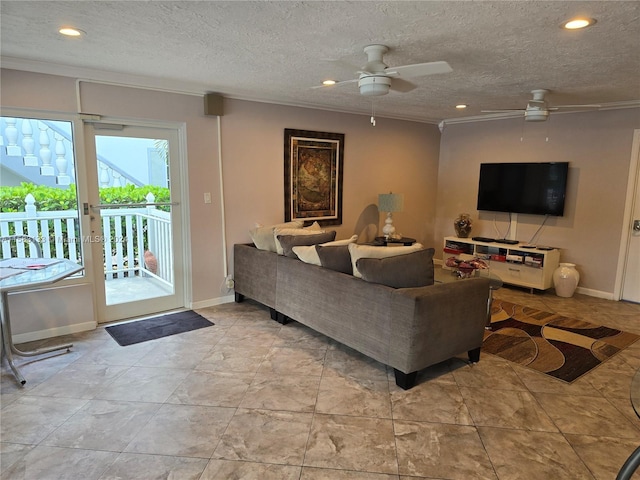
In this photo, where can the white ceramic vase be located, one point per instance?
(565, 279)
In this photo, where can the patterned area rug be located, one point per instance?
(562, 347)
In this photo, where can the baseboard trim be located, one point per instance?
(595, 293)
(54, 332)
(212, 302)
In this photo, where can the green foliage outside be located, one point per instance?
(12, 199)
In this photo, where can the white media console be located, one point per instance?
(516, 264)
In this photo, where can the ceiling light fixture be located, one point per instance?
(578, 23)
(71, 32)
(461, 106)
(329, 82)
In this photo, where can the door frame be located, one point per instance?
(632, 184)
(183, 276)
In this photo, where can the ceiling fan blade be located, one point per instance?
(337, 84)
(419, 69)
(577, 106)
(401, 85)
(504, 110)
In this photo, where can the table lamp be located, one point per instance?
(390, 202)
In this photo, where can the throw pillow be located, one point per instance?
(289, 241)
(308, 254)
(310, 230)
(262, 237)
(335, 258)
(346, 241)
(369, 251)
(402, 271)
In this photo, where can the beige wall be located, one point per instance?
(395, 155)
(598, 147)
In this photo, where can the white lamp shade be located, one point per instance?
(390, 202)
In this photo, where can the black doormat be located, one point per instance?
(157, 327)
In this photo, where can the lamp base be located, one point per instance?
(388, 230)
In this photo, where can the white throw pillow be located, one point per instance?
(337, 243)
(262, 236)
(309, 254)
(310, 230)
(369, 251)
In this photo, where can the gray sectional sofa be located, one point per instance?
(408, 329)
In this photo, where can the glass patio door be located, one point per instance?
(136, 219)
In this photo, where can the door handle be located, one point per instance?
(636, 225)
(137, 205)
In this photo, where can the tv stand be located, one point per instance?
(515, 263)
(506, 241)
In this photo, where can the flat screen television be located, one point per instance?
(532, 188)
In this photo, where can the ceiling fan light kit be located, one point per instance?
(376, 78)
(536, 115)
(374, 85)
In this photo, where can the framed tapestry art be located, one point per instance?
(313, 166)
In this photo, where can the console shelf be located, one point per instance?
(517, 264)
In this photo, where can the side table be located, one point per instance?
(495, 282)
(383, 242)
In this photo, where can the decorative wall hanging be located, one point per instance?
(313, 166)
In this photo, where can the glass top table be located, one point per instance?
(442, 275)
(635, 392)
(19, 274)
(633, 462)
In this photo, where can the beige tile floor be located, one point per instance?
(251, 399)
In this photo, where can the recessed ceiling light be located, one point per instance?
(71, 32)
(461, 106)
(329, 82)
(578, 23)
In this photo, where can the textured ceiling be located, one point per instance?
(276, 51)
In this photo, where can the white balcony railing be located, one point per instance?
(127, 234)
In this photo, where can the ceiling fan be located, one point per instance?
(376, 78)
(538, 110)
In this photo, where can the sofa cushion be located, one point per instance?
(335, 257)
(262, 236)
(310, 230)
(308, 254)
(289, 241)
(410, 270)
(369, 251)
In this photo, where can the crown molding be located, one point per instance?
(188, 88)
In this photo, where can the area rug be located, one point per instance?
(562, 347)
(157, 327)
